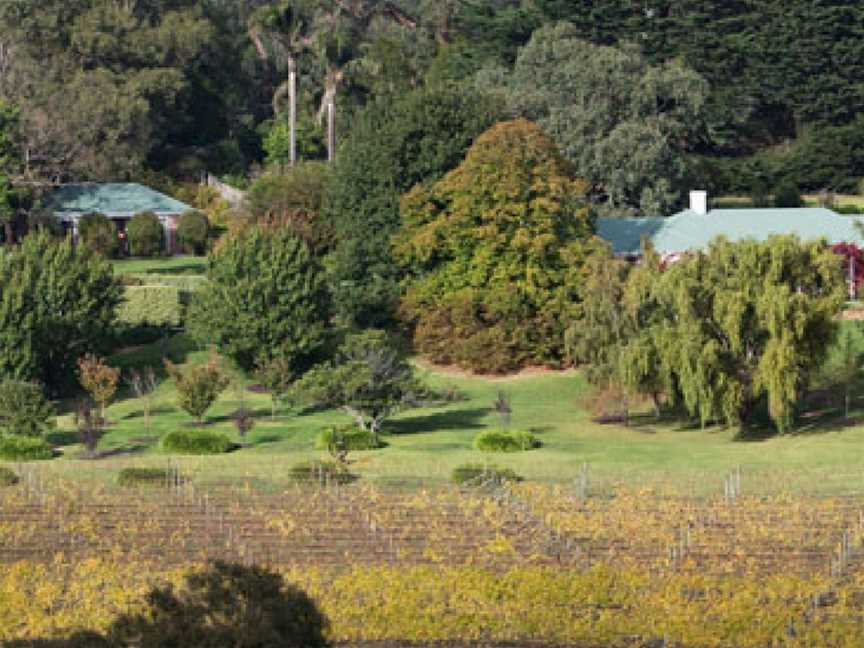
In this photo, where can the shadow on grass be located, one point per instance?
(176, 349)
(62, 437)
(457, 419)
(121, 451)
(187, 269)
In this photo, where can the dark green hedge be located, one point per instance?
(149, 477)
(21, 448)
(318, 471)
(478, 474)
(196, 442)
(352, 437)
(505, 441)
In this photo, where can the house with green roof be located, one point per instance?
(693, 228)
(119, 202)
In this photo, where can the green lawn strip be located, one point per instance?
(424, 445)
(177, 265)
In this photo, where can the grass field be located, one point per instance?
(424, 445)
(170, 265)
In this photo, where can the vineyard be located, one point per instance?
(518, 562)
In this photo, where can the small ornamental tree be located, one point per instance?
(99, 380)
(99, 234)
(143, 384)
(276, 375)
(24, 410)
(266, 298)
(494, 253)
(146, 235)
(192, 231)
(198, 386)
(42, 339)
(370, 380)
(852, 264)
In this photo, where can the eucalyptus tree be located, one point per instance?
(342, 28)
(622, 122)
(280, 34)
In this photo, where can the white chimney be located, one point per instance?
(699, 202)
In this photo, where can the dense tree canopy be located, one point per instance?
(107, 90)
(265, 298)
(393, 146)
(56, 304)
(494, 251)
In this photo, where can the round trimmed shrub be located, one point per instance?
(787, 194)
(146, 235)
(97, 232)
(192, 230)
(505, 441)
(7, 477)
(21, 448)
(478, 474)
(149, 477)
(196, 442)
(348, 437)
(320, 471)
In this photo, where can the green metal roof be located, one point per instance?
(112, 199)
(688, 230)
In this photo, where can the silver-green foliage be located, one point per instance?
(621, 121)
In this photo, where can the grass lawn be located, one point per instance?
(162, 265)
(424, 445)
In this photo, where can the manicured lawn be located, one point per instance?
(424, 445)
(166, 265)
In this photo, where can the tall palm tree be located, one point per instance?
(280, 34)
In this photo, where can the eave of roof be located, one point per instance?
(688, 231)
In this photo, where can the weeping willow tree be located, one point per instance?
(744, 322)
(717, 333)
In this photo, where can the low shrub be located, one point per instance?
(7, 477)
(196, 442)
(98, 232)
(150, 306)
(347, 437)
(319, 471)
(192, 230)
(146, 235)
(149, 477)
(480, 475)
(505, 441)
(21, 448)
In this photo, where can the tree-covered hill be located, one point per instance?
(104, 89)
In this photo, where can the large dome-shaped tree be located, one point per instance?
(494, 251)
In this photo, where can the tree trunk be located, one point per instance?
(846, 400)
(331, 127)
(292, 110)
(10, 232)
(655, 399)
